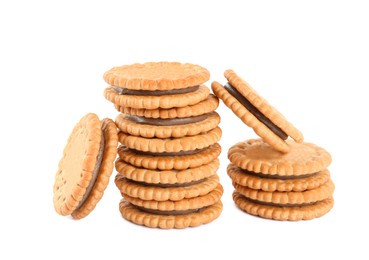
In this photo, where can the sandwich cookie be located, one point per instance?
(163, 192)
(86, 166)
(269, 184)
(166, 176)
(255, 155)
(167, 128)
(156, 85)
(206, 106)
(169, 161)
(196, 218)
(170, 145)
(256, 112)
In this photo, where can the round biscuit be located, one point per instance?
(254, 155)
(307, 212)
(157, 76)
(153, 131)
(139, 217)
(169, 145)
(260, 182)
(148, 192)
(208, 105)
(175, 162)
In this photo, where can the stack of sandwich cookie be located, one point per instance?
(168, 130)
(269, 184)
(278, 176)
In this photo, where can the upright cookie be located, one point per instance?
(256, 112)
(86, 166)
(156, 85)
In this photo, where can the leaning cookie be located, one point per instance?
(85, 167)
(256, 112)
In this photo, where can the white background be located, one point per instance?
(310, 60)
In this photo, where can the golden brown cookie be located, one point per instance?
(206, 106)
(186, 204)
(256, 156)
(157, 76)
(200, 217)
(154, 101)
(171, 145)
(167, 176)
(320, 193)
(85, 167)
(167, 128)
(304, 212)
(169, 161)
(256, 112)
(270, 183)
(167, 192)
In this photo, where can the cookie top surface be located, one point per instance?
(257, 156)
(157, 76)
(87, 161)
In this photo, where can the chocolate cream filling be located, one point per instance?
(132, 92)
(174, 185)
(167, 122)
(281, 205)
(253, 110)
(168, 153)
(95, 172)
(278, 177)
(168, 212)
